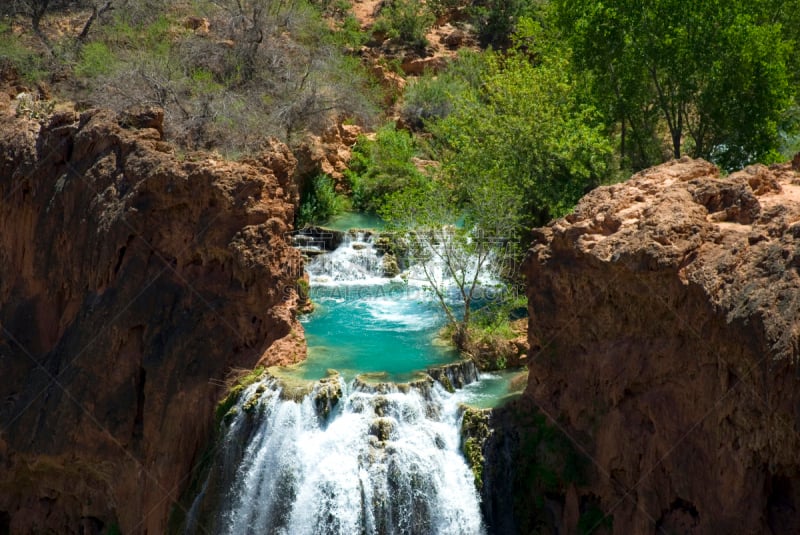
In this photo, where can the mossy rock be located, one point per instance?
(327, 395)
(382, 428)
(474, 432)
(390, 266)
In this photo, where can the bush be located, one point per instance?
(440, 8)
(430, 98)
(320, 202)
(96, 59)
(406, 20)
(433, 97)
(13, 53)
(383, 166)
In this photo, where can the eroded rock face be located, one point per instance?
(666, 313)
(131, 283)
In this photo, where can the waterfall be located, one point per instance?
(344, 459)
(355, 260)
(358, 456)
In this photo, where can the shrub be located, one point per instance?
(383, 166)
(320, 202)
(429, 98)
(96, 59)
(13, 52)
(406, 20)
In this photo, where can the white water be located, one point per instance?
(303, 472)
(355, 261)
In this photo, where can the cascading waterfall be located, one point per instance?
(349, 455)
(343, 459)
(355, 260)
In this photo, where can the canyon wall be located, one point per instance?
(665, 320)
(133, 280)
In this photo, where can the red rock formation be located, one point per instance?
(667, 313)
(328, 154)
(132, 282)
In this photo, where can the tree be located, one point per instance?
(715, 73)
(525, 137)
(382, 166)
(452, 258)
(35, 10)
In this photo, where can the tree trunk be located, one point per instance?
(95, 14)
(461, 336)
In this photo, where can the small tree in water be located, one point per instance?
(451, 258)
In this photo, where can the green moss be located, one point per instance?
(226, 409)
(592, 519)
(474, 432)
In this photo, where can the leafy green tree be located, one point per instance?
(382, 166)
(714, 72)
(524, 143)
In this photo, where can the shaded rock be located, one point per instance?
(454, 39)
(141, 117)
(418, 66)
(664, 330)
(382, 428)
(131, 284)
(200, 25)
(328, 154)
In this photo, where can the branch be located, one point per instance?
(94, 16)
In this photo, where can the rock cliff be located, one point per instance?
(666, 313)
(132, 281)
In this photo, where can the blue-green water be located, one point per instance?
(364, 323)
(371, 328)
(351, 220)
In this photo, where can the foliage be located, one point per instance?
(221, 90)
(496, 20)
(320, 202)
(95, 59)
(226, 408)
(406, 20)
(495, 317)
(383, 166)
(453, 259)
(524, 145)
(29, 105)
(715, 73)
(441, 8)
(13, 53)
(433, 96)
(474, 432)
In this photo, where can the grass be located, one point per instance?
(226, 409)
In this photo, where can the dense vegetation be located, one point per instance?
(548, 100)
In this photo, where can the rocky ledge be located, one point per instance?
(666, 313)
(132, 281)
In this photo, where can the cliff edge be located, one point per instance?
(666, 310)
(132, 281)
